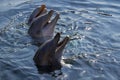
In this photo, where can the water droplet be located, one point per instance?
(20, 14)
(88, 28)
(88, 23)
(108, 55)
(83, 72)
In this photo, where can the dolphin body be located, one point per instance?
(48, 56)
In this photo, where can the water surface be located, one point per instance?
(94, 54)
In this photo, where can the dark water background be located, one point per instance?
(95, 55)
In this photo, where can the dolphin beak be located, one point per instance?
(56, 39)
(48, 29)
(37, 12)
(41, 10)
(48, 16)
(60, 45)
(41, 21)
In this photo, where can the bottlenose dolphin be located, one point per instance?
(41, 27)
(48, 56)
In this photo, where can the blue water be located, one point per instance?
(93, 54)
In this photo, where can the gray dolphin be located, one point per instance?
(37, 12)
(41, 27)
(48, 56)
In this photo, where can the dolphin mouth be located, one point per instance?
(60, 44)
(41, 10)
(63, 42)
(49, 15)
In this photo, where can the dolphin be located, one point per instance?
(48, 56)
(41, 27)
(37, 12)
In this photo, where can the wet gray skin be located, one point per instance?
(37, 12)
(49, 54)
(38, 24)
(41, 28)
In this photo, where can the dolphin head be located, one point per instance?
(49, 54)
(37, 12)
(41, 27)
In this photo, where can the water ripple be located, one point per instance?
(92, 53)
